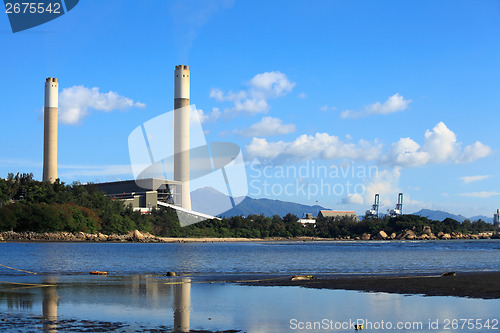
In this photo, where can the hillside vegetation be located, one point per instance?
(30, 205)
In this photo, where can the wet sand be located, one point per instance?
(484, 285)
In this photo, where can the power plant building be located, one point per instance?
(145, 194)
(142, 193)
(338, 213)
(181, 132)
(50, 130)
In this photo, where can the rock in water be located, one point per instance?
(302, 277)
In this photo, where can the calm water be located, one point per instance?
(139, 298)
(266, 258)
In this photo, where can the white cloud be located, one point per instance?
(483, 194)
(472, 179)
(75, 102)
(253, 100)
(406, 152)
(203, 117)
(327, 108)
(219, 95)
(440, 146)
(393, 104)
(196, 116)
(307, 147)
(271, 84)
(353, 199)
(268, 126)
(385, 183)
(302, 95)
(216, 113)
(474, 152)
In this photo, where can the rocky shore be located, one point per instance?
(62, 236)
(133, 236)
(145, 237)
(426, 234)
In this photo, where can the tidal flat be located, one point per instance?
(147, 303)
(216, 289)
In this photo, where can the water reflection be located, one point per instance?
(149, 298)
(182, 304)
(49, 306)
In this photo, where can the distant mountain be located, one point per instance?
(268, 207)
(440, 215)
(210, 201)
(482, 217)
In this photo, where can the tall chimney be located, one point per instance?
(50, 130)
(181, 132)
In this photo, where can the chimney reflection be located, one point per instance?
(49, 307)
(182, 304)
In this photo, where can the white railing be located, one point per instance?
(188, 211)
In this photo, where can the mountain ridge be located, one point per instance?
(442, 215)
(269, 207)
(247, 205)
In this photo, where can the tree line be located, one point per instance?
(30, 205)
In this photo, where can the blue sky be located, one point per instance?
(402, 93)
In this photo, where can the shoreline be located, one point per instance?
(481, 285)
(140, 237)
(484, 285)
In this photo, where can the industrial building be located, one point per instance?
(50, 112)
(142, 194)
(307, 219)
(338, 213)
(181, 132)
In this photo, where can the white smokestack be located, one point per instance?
(50, 130)
(181, 132)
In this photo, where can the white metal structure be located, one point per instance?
(373, 213)
(399, 207)
(192, 214)
(496, 219)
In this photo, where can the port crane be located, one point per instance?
(399, 207)
(373, 213)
